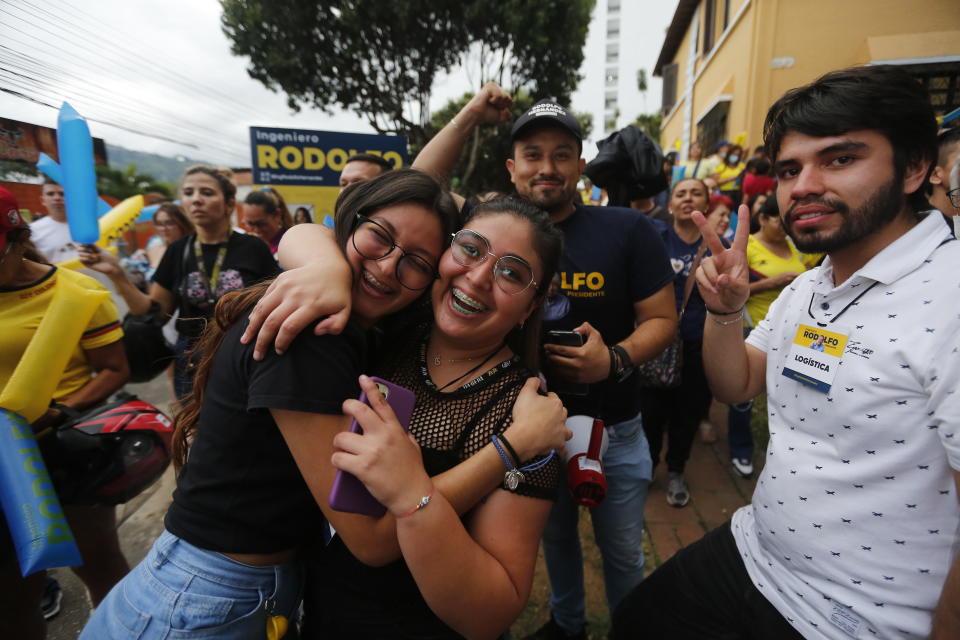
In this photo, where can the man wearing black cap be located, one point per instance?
(617, 276)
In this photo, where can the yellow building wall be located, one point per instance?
(671, 129)
(726, 71)
(816, 36)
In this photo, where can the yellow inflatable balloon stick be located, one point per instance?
(112, 224)
(34, 381)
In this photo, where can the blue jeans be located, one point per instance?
(739, 435)
(182, 591)
(617, 529)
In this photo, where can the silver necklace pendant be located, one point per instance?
(512, 479)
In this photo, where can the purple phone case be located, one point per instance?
(348, 493)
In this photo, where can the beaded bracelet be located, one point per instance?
(514, 476)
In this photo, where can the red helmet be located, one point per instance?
(110, 454)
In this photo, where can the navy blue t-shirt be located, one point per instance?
(613, 257)
(681, 256)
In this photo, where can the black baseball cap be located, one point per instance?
(546, 112)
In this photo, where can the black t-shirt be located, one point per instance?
(248, 261)
(613, 257)
(347, 599)
(241, 490)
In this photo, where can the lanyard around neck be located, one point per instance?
(210, 283)
(842, 311)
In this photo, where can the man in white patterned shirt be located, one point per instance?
(853, 525)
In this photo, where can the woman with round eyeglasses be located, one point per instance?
(252, 495)
(459, 575)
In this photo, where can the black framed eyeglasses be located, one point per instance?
(512, 274)
(374, 242)
(954, 195)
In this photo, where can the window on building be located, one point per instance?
(613, 6)
(612, 77)
(613, 53)
(709, 23)
(613, 29)
(712, 128)
(942, 80)
(669, 85)
(610, 103)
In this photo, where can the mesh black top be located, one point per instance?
(452, 426)
(345, 598)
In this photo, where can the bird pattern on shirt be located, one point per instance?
(866, 457)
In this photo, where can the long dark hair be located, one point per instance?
(387, 190)
(21, 237)
(524, 340)
(272, 203)
(179, 217)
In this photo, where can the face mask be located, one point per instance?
(734, 159)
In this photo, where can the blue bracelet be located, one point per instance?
(514, 476)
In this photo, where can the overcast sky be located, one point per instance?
(164, 67)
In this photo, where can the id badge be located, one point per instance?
(814, 356)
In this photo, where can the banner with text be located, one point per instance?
(314, 158)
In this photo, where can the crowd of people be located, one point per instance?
(820, 272)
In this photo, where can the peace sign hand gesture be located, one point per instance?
(723, 278)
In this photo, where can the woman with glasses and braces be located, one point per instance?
(464, 572)
(252, 494)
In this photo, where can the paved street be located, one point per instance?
(141, 522)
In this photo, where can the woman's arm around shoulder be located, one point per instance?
(317, 283)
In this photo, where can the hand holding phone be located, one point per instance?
(348, 492)
(565, 338)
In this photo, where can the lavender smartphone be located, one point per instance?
(348, 493)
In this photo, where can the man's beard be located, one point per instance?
(879, 210)
(553, 203)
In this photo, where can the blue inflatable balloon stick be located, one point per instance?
(328, 221)
(37, 525)
(79, 179)
(146, 214)
(50, 167)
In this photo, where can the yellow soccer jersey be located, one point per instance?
(21, 310)
(765, 264)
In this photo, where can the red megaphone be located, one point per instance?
(585, 476)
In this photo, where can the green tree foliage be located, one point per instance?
(122, 184)
(18, 171)
(482, 165)
(649, 123)
(380, 59)
(642, 80)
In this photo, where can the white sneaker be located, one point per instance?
(678, 495)
(743, 466)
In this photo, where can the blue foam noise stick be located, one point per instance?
(147, 213)
(37, 525)
(50, 167)
(79, 179)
